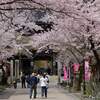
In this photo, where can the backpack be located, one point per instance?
(48, 79)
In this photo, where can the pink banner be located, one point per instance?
(65, 73)
(76, 67)
(87, 71)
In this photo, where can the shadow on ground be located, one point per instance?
(6, 94)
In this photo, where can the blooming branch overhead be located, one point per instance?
(67, 23)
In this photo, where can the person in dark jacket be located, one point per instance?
(32, 81)
(23, 81)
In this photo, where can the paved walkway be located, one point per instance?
(54, 93)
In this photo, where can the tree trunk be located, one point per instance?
(4, 78)
(97, 74)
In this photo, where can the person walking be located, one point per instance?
(33, 81)
(23, 81)
(15, 83)
(27, 80)
(44, 85)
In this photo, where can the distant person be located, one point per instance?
(33, 81)
(23, 81)
(49, 70)
(27, 80)
(15, 83)
(44, 85)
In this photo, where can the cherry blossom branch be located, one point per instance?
(42, 6)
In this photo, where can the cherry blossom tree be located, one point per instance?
(74, 22)
(73, 28)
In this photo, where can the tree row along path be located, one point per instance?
(54, 93)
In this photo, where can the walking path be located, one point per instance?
(54, 93)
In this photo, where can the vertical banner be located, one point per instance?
(76, 69)
(87, 71)
(65, 72)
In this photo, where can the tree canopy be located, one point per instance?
(64, 25)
